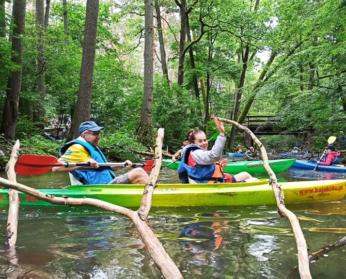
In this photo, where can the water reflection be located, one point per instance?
(206, 233)
(298, 174)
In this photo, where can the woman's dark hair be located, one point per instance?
(191, 135)
(331, 147)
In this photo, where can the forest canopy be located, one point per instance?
(227, 58)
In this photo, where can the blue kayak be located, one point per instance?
(311, 165)
(232, 155)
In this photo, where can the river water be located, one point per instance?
(229, 242)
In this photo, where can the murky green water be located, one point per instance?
(233, 242)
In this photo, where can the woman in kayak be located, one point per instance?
(200, 165)
(331, 156)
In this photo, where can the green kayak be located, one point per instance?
(252, 167)
(189, 195)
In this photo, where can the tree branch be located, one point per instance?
(144, 209)
(303, 260)
(13, 208)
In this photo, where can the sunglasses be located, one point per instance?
(93, 133)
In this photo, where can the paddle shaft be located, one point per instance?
(29, 164)
(87, 165)
(323, 154)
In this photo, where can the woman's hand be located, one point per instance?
(223, 163)
(219, 125)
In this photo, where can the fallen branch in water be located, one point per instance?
(326, 249)
(303, 259)
(152, 243)
(321, 253)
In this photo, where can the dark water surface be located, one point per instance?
(228, 242)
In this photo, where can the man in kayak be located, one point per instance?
(84, 149)
(200, 165)
(331, 156)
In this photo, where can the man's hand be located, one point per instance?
(128, 163)
(93, 164)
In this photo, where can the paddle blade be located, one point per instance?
(27, 170)
(37, 160)
(331, 139)
(29, 164)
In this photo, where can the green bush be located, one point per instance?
(25, 127)
(120, 146)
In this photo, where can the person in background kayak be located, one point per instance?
(200, 165)
(331, 156)
(250, 154)
(177, 155)
(84, 149)
(240, 149)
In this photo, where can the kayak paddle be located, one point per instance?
(330, 140)
(29, 164)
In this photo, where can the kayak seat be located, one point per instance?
(73, 180)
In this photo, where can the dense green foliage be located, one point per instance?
(304, 84)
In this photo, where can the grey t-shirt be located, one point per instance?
(207, 157)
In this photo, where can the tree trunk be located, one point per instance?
(264, 76)
(144, 131)
(312, 70)
(40, 60)
(46, 14)
(192, 59)
(2, 19)
(301, 76)
(83, 105)
(261, 79)
(206, 95)
(3, 76)
(161, 42)
(10, 111)
(182, 40)
(65, 15)
(239, 92)
(342, 94)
